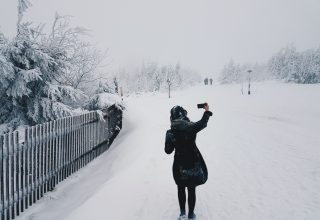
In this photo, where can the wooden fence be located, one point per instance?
(48, 154)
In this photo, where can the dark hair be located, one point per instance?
(177, 112)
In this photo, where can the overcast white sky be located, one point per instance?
(203, 34)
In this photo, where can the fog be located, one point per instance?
(202, 34)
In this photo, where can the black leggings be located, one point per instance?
(191, 198)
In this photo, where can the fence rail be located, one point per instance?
(48, 154)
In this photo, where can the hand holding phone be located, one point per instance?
(204, 106)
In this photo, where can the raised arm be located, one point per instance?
(201, 124)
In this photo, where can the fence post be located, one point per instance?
(47, 161)
(5, 178)
(45, 156)
(69, 145)
(63, 149)
(11, 176)
(41, 159)
(16, 173)
(28, 161)
(34, 164)
(92, 136)
(51, 143)
(18, 148)
(83, 145)
(54, 153)
(76, 143)
(2, 173)
(59, 151)
(71, 148)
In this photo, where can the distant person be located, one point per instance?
(211, 80)
(189, 168)
(206, 81)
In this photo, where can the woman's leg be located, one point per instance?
(182, 198)
(191, 199)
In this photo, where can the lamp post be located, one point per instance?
(242, 87)
(249, 72)
(169, 85)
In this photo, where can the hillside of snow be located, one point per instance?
(262, 153)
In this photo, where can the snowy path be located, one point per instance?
(262, 152)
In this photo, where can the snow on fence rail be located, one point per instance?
(50, 153)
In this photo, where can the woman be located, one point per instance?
(189, 168)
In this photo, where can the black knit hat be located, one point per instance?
(177, 112)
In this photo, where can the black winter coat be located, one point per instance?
(182, 138)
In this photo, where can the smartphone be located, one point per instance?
(201, 105)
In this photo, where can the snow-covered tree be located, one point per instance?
(158, 79)
(152, 77)
(23, 5)
(83, 60)
(308, 70)
(236, 73)
(293, 66)
(105, 96)
(41, 74)
(29, 90)
(230, 73)
(284, 64)
(106, 86)
(3, 41)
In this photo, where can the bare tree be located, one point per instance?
(23, 5)
(170, 76)
(83, 59)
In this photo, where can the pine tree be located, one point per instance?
(28, 74)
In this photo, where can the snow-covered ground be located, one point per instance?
(262, 153)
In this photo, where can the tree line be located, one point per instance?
(288, 65)
(153, 77)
